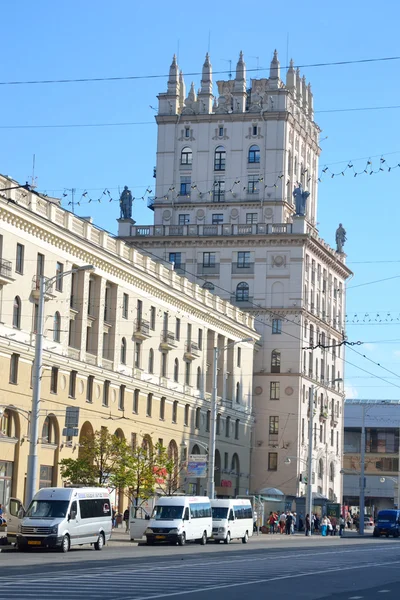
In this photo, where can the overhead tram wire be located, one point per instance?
(197, 73)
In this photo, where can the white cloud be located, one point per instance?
(350, 391)
(369, 347)
(396, 354)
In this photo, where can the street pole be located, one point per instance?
(310, 458)
(213, 429)
(362, 475)
(32, 472)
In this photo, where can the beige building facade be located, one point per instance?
(228, 161)
(130, 345)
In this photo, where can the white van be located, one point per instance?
(231, 519)
(179, 519)
(65, 517)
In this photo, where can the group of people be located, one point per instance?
(324, 525)
(284, 522)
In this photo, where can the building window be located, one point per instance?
(19, 260)
(238, 393)
(255, 130)
(254, 154)
(186, 156)
(135, 405)
(54, 380)
(200, 339)
(59, 275)
(275, 361)
(183, 219)
(220, 131)
(106, 392)
(185, 186)
(276, 326)
(217, 219)
(242, 292)
(302, 431)
(57, 327)
(123, 351)
(274, 425)
(152, 318)
(228, 427)
(48, 431)
(121, 397)
(320, 468)
(253, 186)
(198, 378)
(17, 313)
(219, 191)
(209, 259)
(89, 389)
(149, 405)
(163, 364)
(151, 360)
(272, 461)
(226, 461)
(218, 424)
(72, 384)
(239, 357)
(187, 373)
(237, 429)
(208, 420)
(35, 317)
(178, 329)
(162, 409)
(208, 286)
(107, 296)
(251, 218)
(138, 350)
(14, 361)
(219, 159)
(243, 260)
(46, 476)
(175, 411)
(187, 132)
(186, 416)
(176, 370)
(274, 390)
(197, 418)
(125, 306)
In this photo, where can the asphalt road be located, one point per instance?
(297, 567)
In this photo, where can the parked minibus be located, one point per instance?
(231, 519)
(63, 517)
(180, 519)
(387, 523)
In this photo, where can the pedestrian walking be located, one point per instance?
(282, 522)
(324, 526)
(126, 519)
(289, 523)
(113, 517)
(308, 525)
(342, 525)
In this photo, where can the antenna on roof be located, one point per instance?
(33, 178)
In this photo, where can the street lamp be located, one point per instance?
(395, 481)
(213, 427)
(44, 284)
(309, 503)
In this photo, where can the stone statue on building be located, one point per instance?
(300, 199)
(125, 203)
(340, 238)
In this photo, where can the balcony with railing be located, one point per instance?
(222, 229)
(167, 340)
(5, 272)
(192, 350)
(141, 329)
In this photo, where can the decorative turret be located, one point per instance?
(239, 86)
(275, 71)
(169, 103)
(173, 81)
(291, 78)
(310, 103)
(299, 91)
(182, 91)
(304, 90)
(205, 96)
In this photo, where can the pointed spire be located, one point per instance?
(240, 79)
(192, 93)
(274, 72)
(291, 77)
(206, 78)
(173, 81)
(215, 104)
(299, 94)
(310, 102)
(182, 89)
(305, 92)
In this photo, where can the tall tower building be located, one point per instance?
(236, 211)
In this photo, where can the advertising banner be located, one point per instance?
(197, 465)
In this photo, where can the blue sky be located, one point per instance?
(47, 40)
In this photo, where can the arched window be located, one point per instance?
(186, 156)
(123, 351)
(242, 292)
(320, 468)
(218, 423)
(238, 393)
(331, 472)
(198, 378)
(176, 370)
(187, 413)
(151, 360)
(197, 418)
(228, 427)
(208, 286)
(275, 361)
(17, 313)
(56, 327)
(219, 158)
(49, 432)
(217, 468)
(254, 154)
(237, 429)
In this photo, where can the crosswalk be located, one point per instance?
(179, 577)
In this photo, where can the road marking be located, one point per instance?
(258, 581)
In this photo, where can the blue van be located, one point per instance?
(387, 523)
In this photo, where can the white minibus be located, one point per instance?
(231, 519)
(179, 519)
(64, 517)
